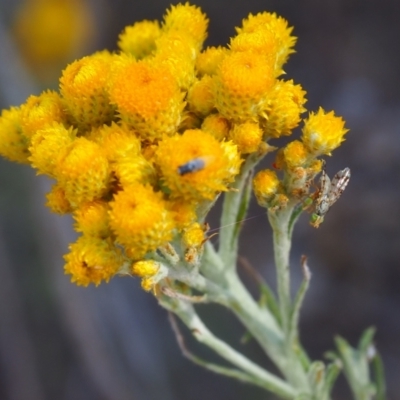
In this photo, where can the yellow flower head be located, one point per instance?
(217, 125)
(283, 108)
(200, 96)
(194, 235)
(265, 185)
(277, 25)
(140, 220)
(189, 20)
(49, 146)
(139, 39)
(220, 163)
(56, 200)
(84, 172)
(148, 98)
(13, 144)
(92, 219)
(175, 51)
(208, 61)
(116, 140)
(323, 132)
(241, 84)
(134, 169)
(83, 86)
(92, 260)
(295, 154)
(146, 269)
(247, 136)
(261, 41)
(41, 111)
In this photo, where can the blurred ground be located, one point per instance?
(58, 341)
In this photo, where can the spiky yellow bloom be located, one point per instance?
(139, 39)
(116, 140)
(49, 146)
(200, 96)
(247, 137)
(241, 84)
(283, 108)
(194, 235)
(261, 41)
(208, 61)
(323, 132)
(148, 98)
(38, 112)
(92, 219)
(277, 25)
(92, 260)
(134, 169)
(13, 143)
(56, 200)
(295, 154)
(175, 51)
(219, 164)
(189, 20)
(140, 220)
(265, 185)
(217, 125)
(84, 172)
(83, 85)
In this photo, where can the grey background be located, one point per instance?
(114, 342)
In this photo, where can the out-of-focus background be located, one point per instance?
(58, 341)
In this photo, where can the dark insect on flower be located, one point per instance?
(194, 165)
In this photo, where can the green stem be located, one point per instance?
(231, 210)
(255, 373)
(279, 221)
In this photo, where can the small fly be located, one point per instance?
(194, 165)
(329, 192)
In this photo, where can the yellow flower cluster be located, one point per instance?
(139, 141)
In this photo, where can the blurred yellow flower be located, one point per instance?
(50, 33)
